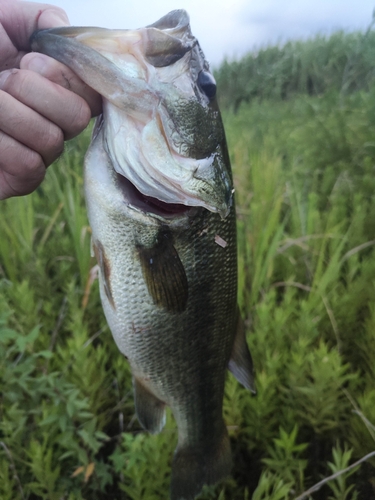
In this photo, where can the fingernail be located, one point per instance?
(4, 75)
(56, 19)
(36, 63)
(51, 18)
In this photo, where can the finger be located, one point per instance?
(9, 56)
(21, 19)
(67, 110)
(30, 128)
(62, 75)
(21, 169)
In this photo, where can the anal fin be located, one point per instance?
(241, 363)
(149, 409)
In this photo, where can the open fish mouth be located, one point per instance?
(161, 125)
(147, 204)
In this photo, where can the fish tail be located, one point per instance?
(193, 467)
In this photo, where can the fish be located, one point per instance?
(160, 201)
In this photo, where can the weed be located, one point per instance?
(303, 158)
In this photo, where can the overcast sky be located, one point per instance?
(228, 27)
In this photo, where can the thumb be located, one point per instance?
(21, 19)
(52, 18)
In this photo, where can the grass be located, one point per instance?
(342, 61)
(304, 175)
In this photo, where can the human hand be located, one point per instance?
(42, 102)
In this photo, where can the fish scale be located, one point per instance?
(164, 232)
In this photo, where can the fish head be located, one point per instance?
(161, 125)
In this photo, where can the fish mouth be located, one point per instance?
(161, 132)
(147, 204)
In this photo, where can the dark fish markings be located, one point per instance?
(105, 269)
(164, 273)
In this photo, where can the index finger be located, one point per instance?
(21, 19)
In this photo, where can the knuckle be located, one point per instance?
(21, 168)
(80, 119)
(50, 143)
(84, 115)
(33, 166)
(54, 140)
(58, 11)
(16, 82)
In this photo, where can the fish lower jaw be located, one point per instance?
(147, 204)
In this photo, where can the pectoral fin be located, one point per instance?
(240, 363)
(150, 410)
(164, 274)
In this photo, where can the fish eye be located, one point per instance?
(207, 84)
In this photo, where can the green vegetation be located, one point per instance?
(304, 170)
(343, 61)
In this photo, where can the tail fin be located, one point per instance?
(193, 467)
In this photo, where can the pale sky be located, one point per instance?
(228, 27)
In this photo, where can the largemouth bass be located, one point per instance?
(160, 201)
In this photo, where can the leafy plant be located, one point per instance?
(303, 158)
(339, 487)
